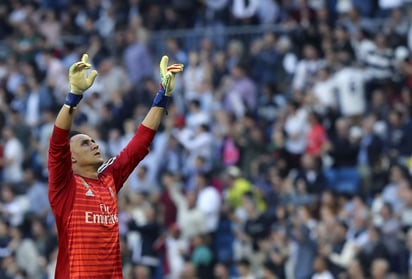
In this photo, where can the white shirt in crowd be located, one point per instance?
(325, 93)
(198, 144)
(305, 71)
(194, 120)
(174, 248)
(350, 85)
(323, 275)
(296, 129)
(390, 4)
(245, 9)
(13, 151)
(208, 201)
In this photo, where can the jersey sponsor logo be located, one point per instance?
(106, 164)
(104, 217)
(89, 193)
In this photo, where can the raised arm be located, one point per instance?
(79, 83)
(167, 75)
(59, 157)
(138, 147)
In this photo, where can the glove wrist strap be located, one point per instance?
(161, 100)
(72, 100)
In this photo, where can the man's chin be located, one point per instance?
(100, 162)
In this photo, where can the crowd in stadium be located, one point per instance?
(287, 154)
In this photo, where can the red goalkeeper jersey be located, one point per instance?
(86, 209)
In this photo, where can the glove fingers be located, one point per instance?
(175, 68)
(166, 81)
(171, 85)
(79, 66)
(74, 67)
(163, 66)
(92, 76)
(179, 66)
(85, 58)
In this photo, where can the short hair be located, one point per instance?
(73, 133)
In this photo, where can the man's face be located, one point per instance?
(85, 151)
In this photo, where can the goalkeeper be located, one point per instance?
(83, 188)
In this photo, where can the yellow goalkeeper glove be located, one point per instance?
(167, 76)
(79, 81)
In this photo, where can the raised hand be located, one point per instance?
(79, 81)
(167, 74)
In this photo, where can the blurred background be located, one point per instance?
(286, 151)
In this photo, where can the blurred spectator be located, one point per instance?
(237, 186)
(380, 269)
(202, 256)
(208, 201)
(196, 116)
(310, 175)
(307, 68)
(305, 252)
(350, 86)
(321, 270)
(316, 136)
(243, 269)
(241, 95)
(373, 249)
(197, 142)
(343, 147)
(277, 253)
(355, 271)
(13, 157)
(140, 182)
(221, 271)
(144, 252)
(112, 80)
(26, 253)
(390, 229)
(136, 59)
(190, 219)
(36, 194)
(296, 127)
(341, 250)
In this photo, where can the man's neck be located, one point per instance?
(88, 172)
